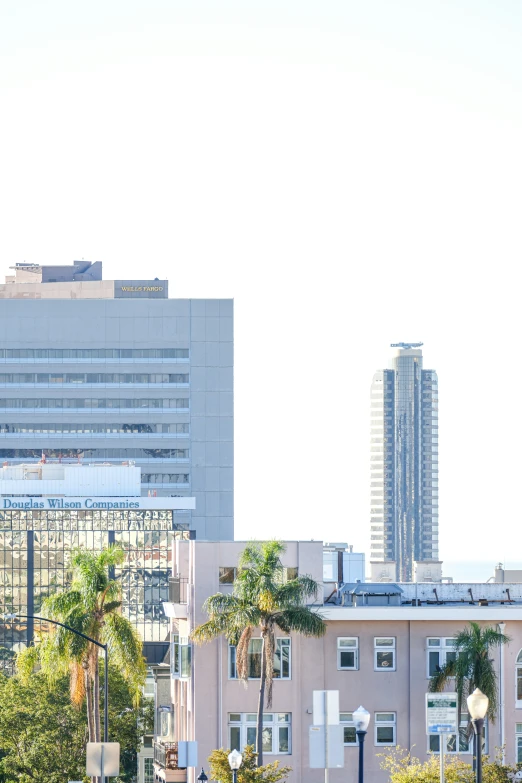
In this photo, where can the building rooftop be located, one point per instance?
(79, 280)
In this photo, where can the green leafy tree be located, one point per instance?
(92, 606)
(43, 735)
(402, 767)
(249, 771)
(473, 667)
(263, 600)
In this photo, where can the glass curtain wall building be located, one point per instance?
(404, 462)
(43, 518)
(35, 548)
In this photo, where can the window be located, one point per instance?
(282, 659)
(518, 741)
(454, 743)
(385, 728)
(148, 770)
(277, 731)
(519, 680)
(347, 652)
(227, 575)
(349, 735)
(440, 652)
(180, 657)
(290, 573)
(384, 653)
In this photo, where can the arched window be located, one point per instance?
(519, 679)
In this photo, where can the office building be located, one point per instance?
(95, 370)
(404, 463)
(48, 509)
(382, 644)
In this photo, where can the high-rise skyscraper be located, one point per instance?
(98, 371)
(404, 462)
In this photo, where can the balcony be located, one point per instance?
(166, 763)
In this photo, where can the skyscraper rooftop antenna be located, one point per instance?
(406, 345)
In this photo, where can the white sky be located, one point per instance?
(350, 172)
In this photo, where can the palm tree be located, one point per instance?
(92, 606)
(472, 667)
(261, 599)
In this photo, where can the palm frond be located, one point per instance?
(125, 650)
(302, 620)
(26, 660)
(438, 681)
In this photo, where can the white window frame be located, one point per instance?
(150, 777)
(276, 721)
(518, 743)
(391, 647)
(518, 674)
(346, 721)
(233, 569)
(180, 657)
(383, 723)
(446, 645)
(281, 641)
(348, 648)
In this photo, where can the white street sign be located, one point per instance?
(326, 708)
(441, 713)
(103, 759)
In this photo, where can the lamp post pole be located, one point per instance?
(361, 718)
(478, 704)
(98, 644)
(478, 726)
(361, 735)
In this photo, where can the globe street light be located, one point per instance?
(478, 706)
(361, 718)
(234, 759)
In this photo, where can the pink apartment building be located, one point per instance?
(383, 640)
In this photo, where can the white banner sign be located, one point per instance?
(441, 713)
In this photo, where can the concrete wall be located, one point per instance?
(204, 326)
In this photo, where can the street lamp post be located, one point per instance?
(234, 759)
(361, 718)
(478, 706)
(98, 644)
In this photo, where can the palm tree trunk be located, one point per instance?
(261, 704)
(97, 719)
(90, 713)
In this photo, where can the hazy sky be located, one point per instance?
(350, 172)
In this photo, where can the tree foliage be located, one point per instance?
(402, 767)
(473, 667)
(43, 735)
(262, 599)
(91, 606)
(249, 771)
